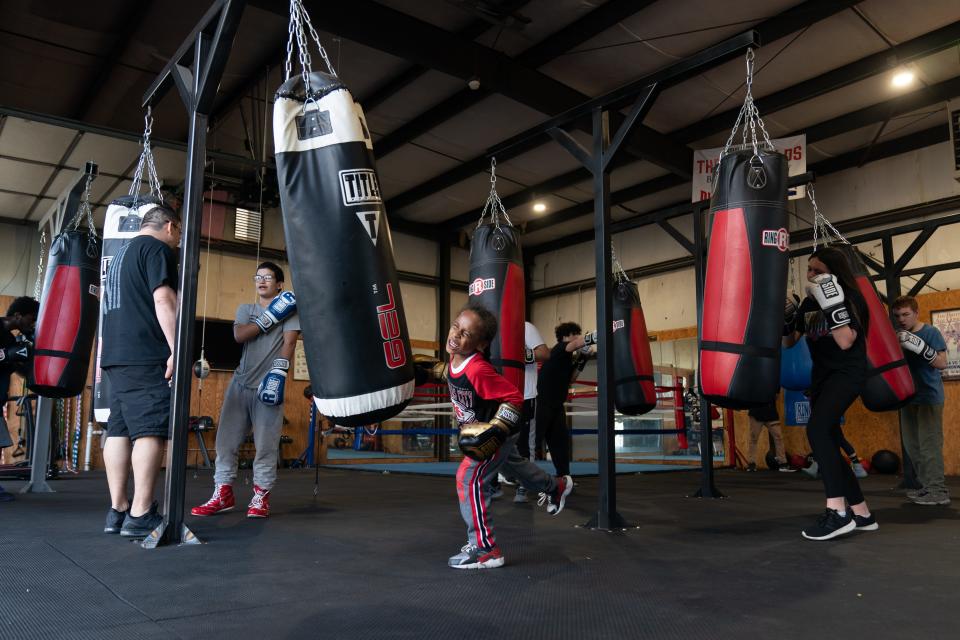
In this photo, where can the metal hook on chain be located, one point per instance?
(618, 271)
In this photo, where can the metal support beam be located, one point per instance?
(442, 450)
(205, 51)
(707, 487)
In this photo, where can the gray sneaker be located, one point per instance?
(912, 494)
(473, 557)
(141, 526)
(932, 498)
(858, 470)
(521, 495)
(114, 520)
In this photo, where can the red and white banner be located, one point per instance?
(704, 160)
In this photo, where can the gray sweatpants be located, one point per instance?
(241, 412)
(922, 429)
(473, 481)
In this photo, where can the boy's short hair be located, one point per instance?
(25, 306)
(565, 329)
(277, 271)
(906, 301)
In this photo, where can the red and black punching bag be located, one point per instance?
(68, 315)
(741, 324)
(496, 282)
(634, 391)
(889, 382)
(341, 255)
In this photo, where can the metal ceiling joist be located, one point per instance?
(536, 56)
(128, 24)
(883, 110)
(263, 67)
(771, 29)
(871, 65)
(835, 126)
(391, 31)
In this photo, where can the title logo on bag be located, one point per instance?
(480, 285)
(359, 186)
(779, 238)
(618, 324)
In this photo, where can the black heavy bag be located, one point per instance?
(341, 255)
(889, 382)
(746, 279)
(68, 316)
(634, 391)
(121, 224)
(496, 283)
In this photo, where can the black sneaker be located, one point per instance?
(114, 520)
(865, 523)
(830, 525)
(752, 467)
(141, 526)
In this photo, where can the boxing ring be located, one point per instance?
(665, 439)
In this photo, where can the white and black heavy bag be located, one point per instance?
(121, 224)
(341, 254)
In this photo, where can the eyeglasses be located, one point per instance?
(259, 278)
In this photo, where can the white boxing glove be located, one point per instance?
(828, 293)
(916, 344)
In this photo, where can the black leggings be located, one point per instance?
(529, 420)
(552, 427)
(829, 400)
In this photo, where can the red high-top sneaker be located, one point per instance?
(259, 504)
(221, 501)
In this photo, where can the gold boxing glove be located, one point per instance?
(428, 369)
(481, 440)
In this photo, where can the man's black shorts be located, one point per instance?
(139, 401)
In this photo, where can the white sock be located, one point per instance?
(842, 513)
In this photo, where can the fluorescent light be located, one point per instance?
(539, 207)
(902, 79)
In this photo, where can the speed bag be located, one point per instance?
(889, 383)
(68, 316)
(741, 323)
(496, 283)
(796, 366)
(341, 254)
(121, 224)
(634, 391)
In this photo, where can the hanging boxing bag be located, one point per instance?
(68, 315)
(889, 383)
(796, 366)
(634, 391)
(341, 254)
(121, 224)
(741, 322)
(496, 283)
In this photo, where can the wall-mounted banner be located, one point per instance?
(704, 160)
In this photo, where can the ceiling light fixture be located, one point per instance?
(902, 79)
(539, 207)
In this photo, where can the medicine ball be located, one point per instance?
(771, 459)
(885, 461)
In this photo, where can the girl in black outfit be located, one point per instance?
(834, 318)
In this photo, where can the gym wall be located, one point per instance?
(18, 259)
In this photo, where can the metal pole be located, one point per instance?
(442, 446)
(707, 488)
(173, 530)
(607, 517)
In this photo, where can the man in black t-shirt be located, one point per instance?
(15, 354)
(565, 363)
(139, 321)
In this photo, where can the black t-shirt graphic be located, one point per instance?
(131, 331)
